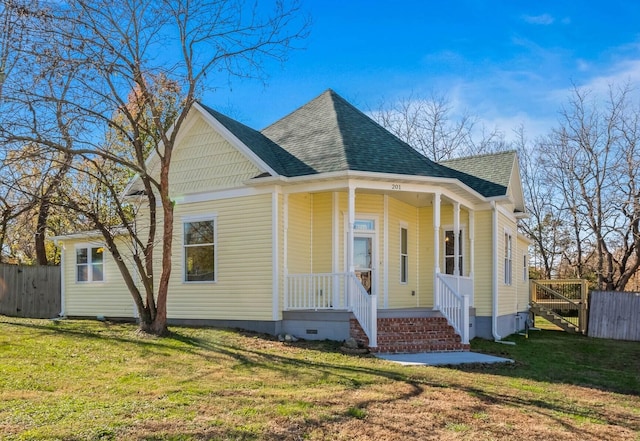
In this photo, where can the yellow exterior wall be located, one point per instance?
(204, 161)
(299, 234)
(521, 273)
(322, 232)
(402, 215)
(507, 294)
(109, 298)
(482, 272)
(425, 257)
(244, 284)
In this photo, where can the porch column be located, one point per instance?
(335, 266)
(456, 239)
(436, 249)
(472, 233)
(285, 254)
(350, 235)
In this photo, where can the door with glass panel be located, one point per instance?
(363, 260)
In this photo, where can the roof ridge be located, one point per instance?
(401, 143)
(296, 109)
(481, 155)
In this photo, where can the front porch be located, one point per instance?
(337, 304)
(371, 247)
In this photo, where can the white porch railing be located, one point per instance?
(365, 307)
(315, 291)
(453, 305)
(333, 291)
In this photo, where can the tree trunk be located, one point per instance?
(41, 230)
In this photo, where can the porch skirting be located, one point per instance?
(317, 325)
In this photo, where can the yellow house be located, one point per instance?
(324, 225)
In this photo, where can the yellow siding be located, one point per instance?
(426, 258)
(109, 298)
(400, 294)
(243, 289)
(299, 234)
(521, 273)
(322, 233)
(204, 161)
(483, 262)
(507, 294)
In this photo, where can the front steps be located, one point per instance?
(554, 318)
(411, 335)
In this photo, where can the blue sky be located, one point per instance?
(508, 62)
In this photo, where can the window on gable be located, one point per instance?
(199, 251)
(508, 258)
(449, 252)
(404, 255)
(90, 264)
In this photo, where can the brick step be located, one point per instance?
(424, 335)
(412, 334)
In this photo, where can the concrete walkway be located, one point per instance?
(442, 358)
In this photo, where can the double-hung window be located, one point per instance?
(450, 251)
(404, 255)
(200, 251)
(508, 258)
(90, 264)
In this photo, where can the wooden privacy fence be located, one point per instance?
(29, 291)
(614, 315)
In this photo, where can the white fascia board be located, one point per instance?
(524, 237)
(379, 181)
(234, 141)
(91, 234)
(220, 194)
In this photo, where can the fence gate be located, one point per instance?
(29, 291)
(562, 302)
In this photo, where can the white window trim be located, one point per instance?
(508, 281)
(200, 218)
(404, 226)
(525, 266)
(88, 246)
(463, 231)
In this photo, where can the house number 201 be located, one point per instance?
(395, 186)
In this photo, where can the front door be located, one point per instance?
(363, 260)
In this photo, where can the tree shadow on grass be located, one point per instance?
(562, 358)
(324, 362)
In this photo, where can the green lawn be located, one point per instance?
(78, 380)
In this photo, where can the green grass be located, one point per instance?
(85, 380)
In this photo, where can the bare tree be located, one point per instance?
(89, 59)
(592, 161)
(430, 125)
(543, 226)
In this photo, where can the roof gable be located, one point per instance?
(501, 169)
(275, 157)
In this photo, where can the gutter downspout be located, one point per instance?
(62, 284)
(494, 275)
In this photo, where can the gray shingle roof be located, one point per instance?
(272, 154)
(328, 134)
(493, 167)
